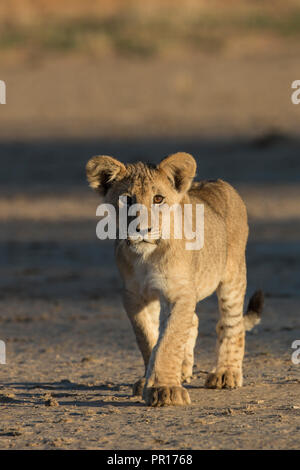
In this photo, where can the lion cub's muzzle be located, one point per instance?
(143, 236)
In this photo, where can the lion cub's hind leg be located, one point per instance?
(188, 361)
(231, 334)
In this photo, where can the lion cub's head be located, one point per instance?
(139, 183)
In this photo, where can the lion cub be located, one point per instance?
(163, 281)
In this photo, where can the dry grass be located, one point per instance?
(133, 28)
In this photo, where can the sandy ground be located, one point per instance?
(195, 95)
(71, 354)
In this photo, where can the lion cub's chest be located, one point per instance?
(148, 279)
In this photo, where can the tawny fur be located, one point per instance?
(163, 281)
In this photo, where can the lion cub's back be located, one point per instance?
(221, 198)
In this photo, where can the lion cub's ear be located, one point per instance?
(180, 169)
(102, 170)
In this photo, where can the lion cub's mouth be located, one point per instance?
(141, 242)
(139, 246)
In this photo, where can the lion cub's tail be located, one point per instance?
(255, 307)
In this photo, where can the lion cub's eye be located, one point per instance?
(158, 199)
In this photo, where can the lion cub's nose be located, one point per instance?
(144, 230)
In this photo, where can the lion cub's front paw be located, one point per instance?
(138, 387)
(224, 378)
(162, 396)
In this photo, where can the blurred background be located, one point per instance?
(162, 68)
(138, 80)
